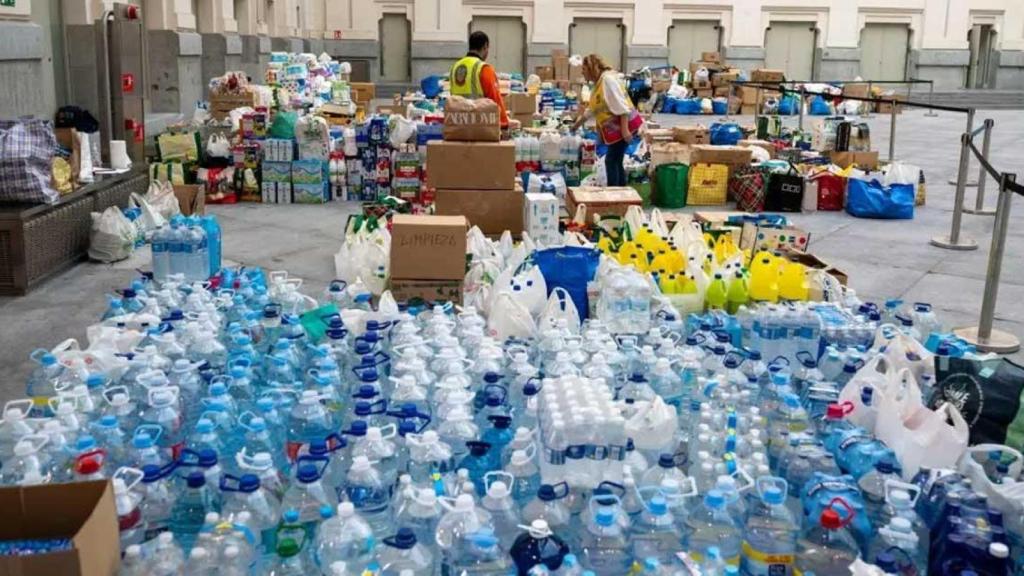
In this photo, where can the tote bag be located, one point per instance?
(747, 187)
(27, 148)
(708, 184)
(872, 199)
(785, 192)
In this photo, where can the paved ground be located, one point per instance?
(883, 259)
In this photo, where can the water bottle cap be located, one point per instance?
(248, 483)
(196, 480)
(850, 368)
(143, 440)
(999, 550)
(658, 505)
(89, 466)
(498, 489)
(570, 560)
(731, 362)
(360, 463)
(464, 503)
(404, 539)
(326, 512)
(492, 377)
(207, 457)
(358, 428)
(651, 564)
(901, 524)
(666, 461)
(204, 426)
(887, 563)
(605, 516)
(368, 375)
(85, 442)
(406, 427)
(830, 519)
(866, 395)
(773, 495)
(885, 466)
(309, 473)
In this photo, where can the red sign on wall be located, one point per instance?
(127, 83)
(337, 34)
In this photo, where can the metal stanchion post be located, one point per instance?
(931, 92)
(979, 202)
(800, 105)
(954, 241)
(892, 132)
(865, 107)
(983, 336)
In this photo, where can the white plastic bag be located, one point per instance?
(1008, 496)
(402, 130)
(112, 237)
(160, 195)
(365, 256)
(878, 375)
(217, 146)
(653, 425)
(509, 319)
(926, 439)
(560, 306)
(904, 351)
(150, 219)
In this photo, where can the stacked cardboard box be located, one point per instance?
(428, 257)
(476, 180)
(522, 107)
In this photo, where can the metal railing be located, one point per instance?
(984, 336)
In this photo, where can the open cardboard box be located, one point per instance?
(81, 511)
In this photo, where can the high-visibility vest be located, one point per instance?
(464, 78)
(598, 103)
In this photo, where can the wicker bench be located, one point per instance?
(40, 240)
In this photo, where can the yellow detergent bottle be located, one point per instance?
(723, 248)
(764, 278)
(793, 282)
(717, 294)
(637, 261)
(662, 260)
(668, 283)
(687, 285)
(738, 295)
(604, 244)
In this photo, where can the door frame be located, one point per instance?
(672, 24)
(522, 23)
(910, 45)
(408, 47)
(815, 60)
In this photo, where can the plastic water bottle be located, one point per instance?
(366, 489)
(245, 494)
(462, 519)
(345, 538)
(293, 555)
(873, 487)
(828, 547)
(403, 555)
(308, 421)
(603, 541)
(190, 509)
(538, 545)
(550, 505)
(422, 513)
(770, 533)
(526, 475)
(211, 227)
(655, 533)
(712, 524)
(308, 493)
(499, 503)
(167, 558)
(478, 462)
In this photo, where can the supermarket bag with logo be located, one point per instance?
(571, 268)
(987, 393)
(872, 199)
(27, 148)
(785, 191)
(747, 187)
(708, 184)
(830, 190)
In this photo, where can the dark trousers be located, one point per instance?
(613, 163)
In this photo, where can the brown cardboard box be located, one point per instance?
(748, 94)
(525, 120)
(652, 135)
(471, 120)
(757, 238)
(724, 78)
(690, 134)
(704, 93)
(661, 85)
(191, 198)
(81, 511)
(471, 165)
(68, 138)
(427, 290)
(766, 145)
(428, 247)
(722, 91)
(866, 160)
(886, 107)
(748, 109)
(363, 92)
(732, 156)
(856, 90)
(222, 104)
(546, 73)
(711, 57)
(388, 109)
(702, 85)
(558, 53)
(813, 262)
(734, 105)
(521, 103)
(561, 65)
(493, 211)
(599, 200)
(668, 153)
(576, 74)
(767, 75)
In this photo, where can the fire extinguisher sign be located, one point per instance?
(127, 82)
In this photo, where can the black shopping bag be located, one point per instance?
(785, 192)
(988, 395)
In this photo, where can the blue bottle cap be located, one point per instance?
(850, 368)
(491, 377)
(493, 400)
(604, 516)
(866, 394)
(204, 426)
(95, 380)
(307, 473)
(85, 442)
(666, 461)
(406, 427)
(885, 466)
(207, 457)
(530, 389)
(196, 480)
(357, 428)
(773, 495)
(731, 362)
(362, 348)
(714, 499)
(318, 447)
(363, 408)
(108, 421)
(404, 539)
(326, 512)
(248, 483)
(291, 515)
(368, 375)
(658, 505)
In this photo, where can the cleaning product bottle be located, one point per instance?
(793, 282)
(764, 279)
(738, 294)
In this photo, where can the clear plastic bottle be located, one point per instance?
(873, 486)
(462, 519)
(190, 509)
(655, 533)
(366, 489)
(503, 509)
(307, 492)
(245, 494)
(770, 534)
(538, 545)
(828, 547)
(712, 524)
(345, 538)
(604, 541)
(167, 558)
(403, 555)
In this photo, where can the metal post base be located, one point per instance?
(969, 183)
(999, 342)
(963, 245)
(982, 212)
(931, 114)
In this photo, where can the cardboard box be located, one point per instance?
(702, 85)
(521, 103)
(758, 238)
(724, 78)
(812, 261)
(748, 109)
(427, 290)
(388, 109)
(493, 211)
(525, 120)
(84, 512)
(764, 144)
(598, 200)
(704, 93)
(540, 217)
(471, 120)
(729, 155)
(471, 165)
(668, 153)
(856, 90)
(886, 107)
(748, 94)
(767, 75)
(722, 91)
(576, 74)
(866, 160)
(222, 104)
(561, 65)
(711, 57)
(652, 135)
(191, 198)
(546, 73)
(428, 247)
(363, 92)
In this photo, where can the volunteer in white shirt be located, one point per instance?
(616, 118)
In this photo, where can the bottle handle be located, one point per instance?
(912, 489)
(850, 512)
(25, 406)
(495, 476)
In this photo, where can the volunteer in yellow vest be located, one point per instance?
(612, 112)
(472, 77)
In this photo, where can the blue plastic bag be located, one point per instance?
(688, 106)
(431, 86)
(789, 105)
(569, 267)
(819, 107)
(669, 105)
(874, 200)
(725, 134)
(720, 107)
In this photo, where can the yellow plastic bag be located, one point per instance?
(182, 147)
(708, 184)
